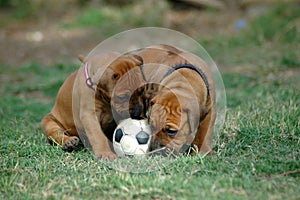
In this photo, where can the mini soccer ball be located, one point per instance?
(132, 137)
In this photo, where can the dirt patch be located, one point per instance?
(43, 41)
(43, 44)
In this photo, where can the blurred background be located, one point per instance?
(49, 32)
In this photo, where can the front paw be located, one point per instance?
(71, 143)
(107, 155)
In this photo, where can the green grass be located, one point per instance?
(272, 37)
(257, 153)
(113, 19)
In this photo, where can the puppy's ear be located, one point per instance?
(81, 58)
(193, 125)
(138, 58)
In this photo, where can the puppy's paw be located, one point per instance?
(212, 153)
(106, 156)
(71, 143)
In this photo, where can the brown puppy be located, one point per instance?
(182, 101)
(82, 104)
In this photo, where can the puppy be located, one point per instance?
(83, 106)
(178, 100)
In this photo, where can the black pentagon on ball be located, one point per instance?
(118, 135)
(142, 137)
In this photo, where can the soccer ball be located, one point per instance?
(132, 137)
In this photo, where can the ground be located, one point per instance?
(43, 40)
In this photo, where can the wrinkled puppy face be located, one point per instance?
(113, 74)
(169, 122)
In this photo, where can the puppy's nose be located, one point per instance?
(136, 112)
(142, 137)
(119, 134)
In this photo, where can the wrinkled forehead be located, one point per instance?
(176, 108)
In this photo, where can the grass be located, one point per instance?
(257, 154)
(278, 29)
(113, 19)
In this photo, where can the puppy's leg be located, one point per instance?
(56, 133)
(97, 139)
(203, 138)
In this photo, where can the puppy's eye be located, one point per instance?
(170, 131)
(115, 76)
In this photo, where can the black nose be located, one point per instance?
(119, 134)
(136, 112)
(142, 137)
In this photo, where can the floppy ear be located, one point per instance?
(193, 125)
(138, 58)
(81, 58)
